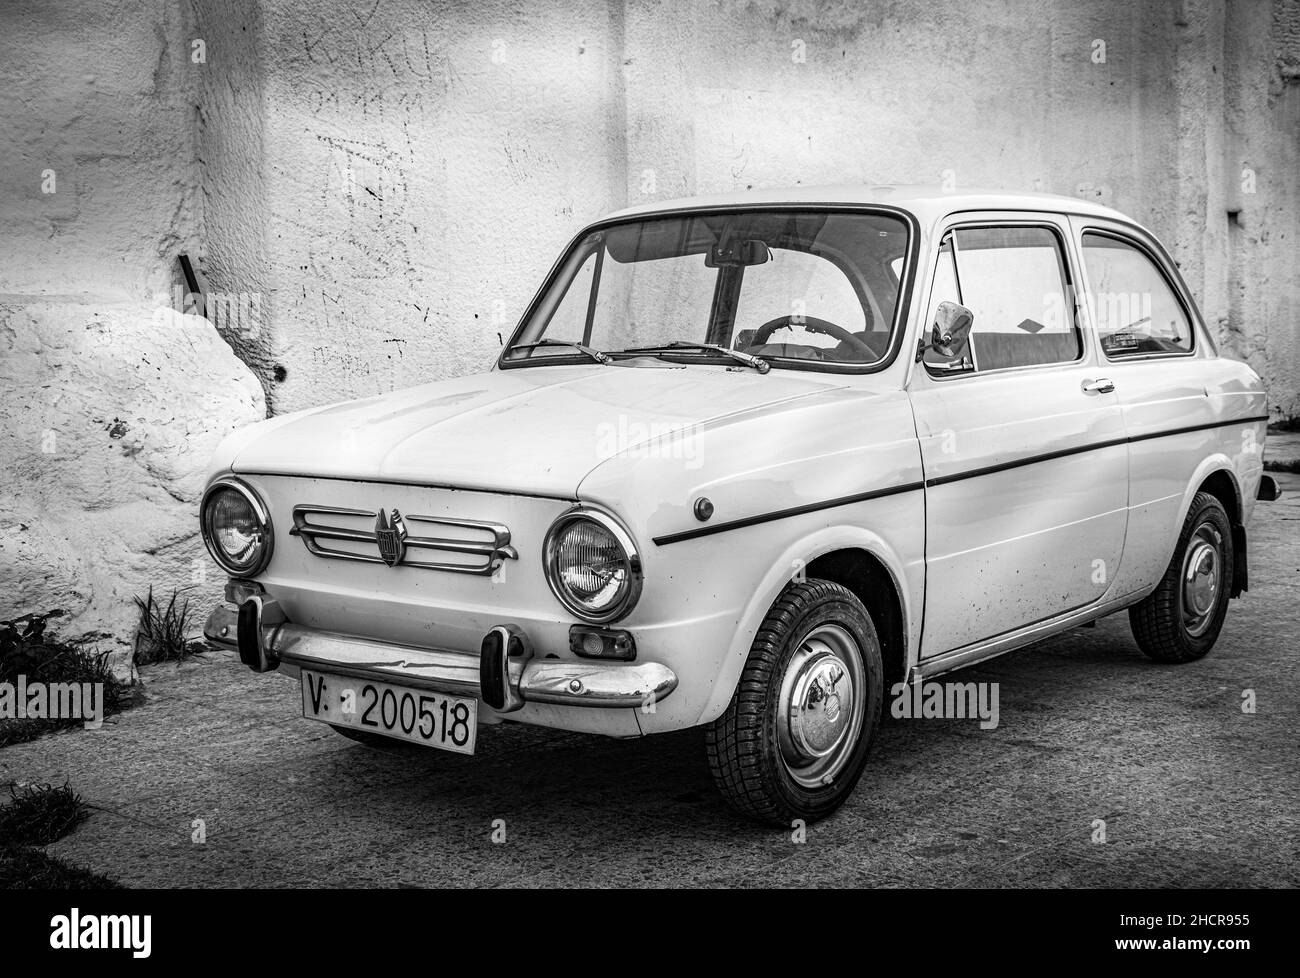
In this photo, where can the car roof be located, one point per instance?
(926, 202)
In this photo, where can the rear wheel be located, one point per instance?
(1181, 619)
(793, 742)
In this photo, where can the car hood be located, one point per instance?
(538, 430)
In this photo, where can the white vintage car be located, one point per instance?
(748, 463)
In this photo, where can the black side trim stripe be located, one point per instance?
(782, 514)
(943, 480)
(1198, 427)
(1096, 446)
(859, 497)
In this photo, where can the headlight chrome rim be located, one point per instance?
(263, 515)
(550, 564)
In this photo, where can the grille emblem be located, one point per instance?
(475, 547)
(390, 534)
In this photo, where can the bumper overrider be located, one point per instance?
(503, 673)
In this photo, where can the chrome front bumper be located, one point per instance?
(504, 673)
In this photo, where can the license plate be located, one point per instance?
(417, 715)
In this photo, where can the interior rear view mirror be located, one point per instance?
(737, 252)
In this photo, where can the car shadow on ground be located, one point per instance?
(1100, 771)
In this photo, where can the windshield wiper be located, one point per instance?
(748, 359)
(580, 347)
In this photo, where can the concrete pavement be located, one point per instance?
(1282, 448)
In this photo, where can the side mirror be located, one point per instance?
(951, 327)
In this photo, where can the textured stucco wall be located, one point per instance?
(111, 404)
(1260, 266)
(111, 415)
(231, 121)
(412, 179)
(102, 95)
(418, 165)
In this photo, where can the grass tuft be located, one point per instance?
(163, 630)
(25, 651)
(31, 869)
(38, 815)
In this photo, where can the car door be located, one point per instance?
(1173, 412)
(1022, 439)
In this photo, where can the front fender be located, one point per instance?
(906, 570)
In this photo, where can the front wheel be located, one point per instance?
(793, 742)
(1181, 619)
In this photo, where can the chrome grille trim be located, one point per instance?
(493, 551)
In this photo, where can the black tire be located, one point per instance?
(1160, 621)
(745, 744)
(379, 742)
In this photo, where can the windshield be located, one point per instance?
(790, 287)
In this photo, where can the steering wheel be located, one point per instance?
(813, 325)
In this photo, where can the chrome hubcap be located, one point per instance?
(822, 705)
(1202, 578)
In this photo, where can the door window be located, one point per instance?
(1015, 282)
(1136, 311)
(945, 289)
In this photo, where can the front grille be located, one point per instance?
(460, 546)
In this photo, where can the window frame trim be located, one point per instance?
(1175, 286)
(1048, 221)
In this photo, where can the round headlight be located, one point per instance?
(592, 565)
(236, 527)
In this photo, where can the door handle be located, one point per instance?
(1099, 386)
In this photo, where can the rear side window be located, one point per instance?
(1136, 311)
(1014, 280)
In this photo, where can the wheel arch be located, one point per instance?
(1217, 476)
(851, 556)
(1222, 484)
(1160, 620)
(868, 577)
